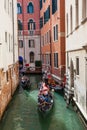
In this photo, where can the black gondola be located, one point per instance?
(45, 101)
(56, 88)
(25, 82)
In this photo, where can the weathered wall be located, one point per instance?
(8, 83)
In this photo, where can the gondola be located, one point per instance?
(45, 101)
(45, 106)
(57, 88)
(25, 82)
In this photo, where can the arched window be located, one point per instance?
(31, 57)
(30, 8)
(20, 26)
(31, 25)
(19, 8)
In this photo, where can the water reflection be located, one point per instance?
(22, 113)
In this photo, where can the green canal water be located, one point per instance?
(22, 113)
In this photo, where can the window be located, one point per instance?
(19, 8)
(20, 26)
(40, 4)
(42, 58)
(7, 78)
(41, 22)
(56, 60)
(31, 25)
(30, 8)
(21, 43)
(6, 37)
(31, 44)
(10, 9)
(49, 37)
(8, 6)
(55, 32)
(71, 18)
(47, 15)
(48, 59)
(31, 57)
(84, 9)
(67, 23)
(77, 12)
(54, 6)
(50, 55)
(9, 44)
(42, 41)
(5, 4)
(77, 66)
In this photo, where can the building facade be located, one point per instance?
(28, 31)
(8, 52)
(76, 52)
(52, 24)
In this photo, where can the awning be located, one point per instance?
(21, 58)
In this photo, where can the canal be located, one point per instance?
(22, 113)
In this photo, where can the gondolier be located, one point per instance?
(25, 82)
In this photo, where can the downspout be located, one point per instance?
(40, 36)
(13, 32)
(86, 79)
(23, 27)
(13, 43)
(51, 64)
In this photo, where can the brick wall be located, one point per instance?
(8, 83)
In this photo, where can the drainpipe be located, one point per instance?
(51, 36)
(23, 27)
(13, 32)
(86, 80)
(40, 47)
(13, 41)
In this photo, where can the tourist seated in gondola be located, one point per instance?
(44, 102)
(44, 89)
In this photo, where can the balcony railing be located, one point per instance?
(20, 33)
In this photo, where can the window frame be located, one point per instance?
(31, 43)
(30, 8)
(20, 43)
(56, 59)
(31, 57)
(19, 8)
(77, 66)
(55, 32)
